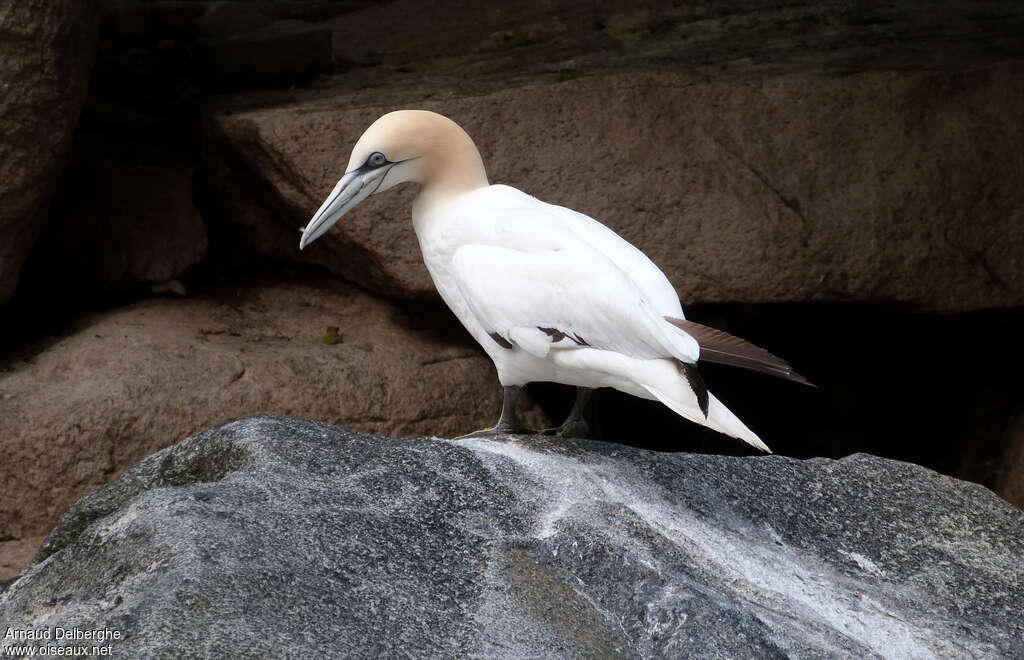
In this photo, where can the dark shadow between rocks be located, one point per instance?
(936, 390)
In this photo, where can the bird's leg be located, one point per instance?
(575, 426)
(509, 420)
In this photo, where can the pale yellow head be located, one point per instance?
(407, 145)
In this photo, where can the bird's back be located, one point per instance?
(648, 277)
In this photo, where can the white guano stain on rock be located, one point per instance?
(775, 580)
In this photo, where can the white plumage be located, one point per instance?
(549, 293)
(510, 264)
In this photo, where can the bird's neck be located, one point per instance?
(450, 173)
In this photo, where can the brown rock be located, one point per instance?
(534, 39)
(130, 19)
(15, 553)
(49, 47)
(278, 54)
(121, 224)
(895, 186)
(225, 19)
(126, 383)
(263, 189)
(178, 14)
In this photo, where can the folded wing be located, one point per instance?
(569, 296)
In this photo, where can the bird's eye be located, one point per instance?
(376, 159)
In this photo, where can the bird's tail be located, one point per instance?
(676, 384)
(682, 401)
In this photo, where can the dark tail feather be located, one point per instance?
(723, 348)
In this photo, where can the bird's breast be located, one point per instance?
(438, 245)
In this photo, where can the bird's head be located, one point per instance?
(406, 145)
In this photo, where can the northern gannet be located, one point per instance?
(549, 293)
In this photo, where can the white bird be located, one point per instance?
(551, 295)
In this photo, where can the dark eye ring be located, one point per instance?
(377, 159)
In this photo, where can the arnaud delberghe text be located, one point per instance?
(56, 633)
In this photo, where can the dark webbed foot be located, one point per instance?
(574, 426)
(570, 429)
(498, 429)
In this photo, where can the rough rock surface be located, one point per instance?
(126, 383)
(121, 224)
(878, 186)
(49, 46)
(276, 537)
(465, 44)
(279, 53)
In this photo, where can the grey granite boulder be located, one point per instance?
(280, 537)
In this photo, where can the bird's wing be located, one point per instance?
(648, 277)
(563, 296)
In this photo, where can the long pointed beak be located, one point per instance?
(351, 190)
